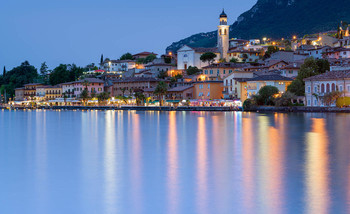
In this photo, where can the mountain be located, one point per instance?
(278, 19)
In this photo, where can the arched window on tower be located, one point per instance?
(327, 88)
(225, 32)
(220, 32)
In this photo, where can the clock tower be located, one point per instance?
(223, 36)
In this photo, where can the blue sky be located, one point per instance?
(79, 31)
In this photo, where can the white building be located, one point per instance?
(233, 84)
(118, 66)
(256, 83)
(317, 86)
(68, 89)
(188, 56)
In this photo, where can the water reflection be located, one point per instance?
(248, 165)
(202, 191)
(136, 162)
(317, 168)
(110, 163)
(173, 174)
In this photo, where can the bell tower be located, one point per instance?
(223, 36)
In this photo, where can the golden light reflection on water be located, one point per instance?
(110, 163)
(248, 165)
(317, 169)
(136, 162)
(202, 183)
(173, 165)
(271, 159)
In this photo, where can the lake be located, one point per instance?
(173, 162)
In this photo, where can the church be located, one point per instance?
(190, 56)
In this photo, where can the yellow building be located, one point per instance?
(221, 70)
(48, 92)
(208, 90)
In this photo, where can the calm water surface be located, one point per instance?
(173, 162)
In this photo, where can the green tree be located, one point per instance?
(18, 77)
(101, 60)
(270, 51)
(65, 73)
(102, 97)
(285, 100)
(43, 69)
(163, 74)
(192, 70)
(297, 87)
(84, 96)
(149, 58)
(245, 57)
(126, 56)
(208, 57)
(265, 95)
(140, 98)
(233, 60)
(311, 67)
(4, 72)
(160, 91)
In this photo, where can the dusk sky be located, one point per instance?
(79, 31)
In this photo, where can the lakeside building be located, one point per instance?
(208, 90)
(256, 83)
(235, 85)
(48, 92)
(176, 94)
(93, 85)
(316, 87)
(127, 86)
(30, 90)
(68, 89)
(19, 94)
(118, 66)
(222, 70)
(242, 55)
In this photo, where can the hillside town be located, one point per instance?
(308, 70)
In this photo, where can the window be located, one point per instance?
(340, 88)
(185, 55)
(211, 71)
(315, 102)
(208, 85)
(327, 88)
(348, 88)
(308, 102)
(308, 89)
(208, 94)
(322, 88)
(224, 71)
(333, 87)
(206, 71)
(230, 71)
(315, 89)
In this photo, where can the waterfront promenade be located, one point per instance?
(196, 108)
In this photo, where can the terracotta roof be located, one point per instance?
(145, 53)
(179, 88)
(91, 80)
(137, 79)
(271, 77)
(227, 65)
(33, 84)
(241, 79)
(330, 75)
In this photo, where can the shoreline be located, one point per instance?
(261, 109)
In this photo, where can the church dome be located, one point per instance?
(223, 14)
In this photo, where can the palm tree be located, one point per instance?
(123, 90)
(140, 97)
(160, 91)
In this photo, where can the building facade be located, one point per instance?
(318, 86)
(208, 90)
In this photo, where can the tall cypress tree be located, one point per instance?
(101, 59)
(4, 73)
